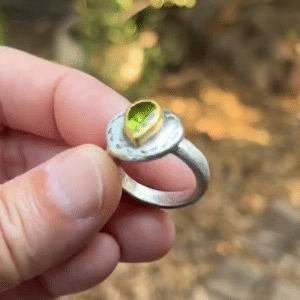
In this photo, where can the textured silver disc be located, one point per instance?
(168, 137)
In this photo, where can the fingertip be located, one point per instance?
(153, 238)
(83, 98)
(144, 234)
(86, 269)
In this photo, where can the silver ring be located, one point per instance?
(168, 138)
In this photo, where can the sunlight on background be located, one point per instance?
(220, 114)
(122, 49)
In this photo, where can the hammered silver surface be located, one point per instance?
(194, 158)
(121, 147)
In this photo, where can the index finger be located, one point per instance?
(56, 102)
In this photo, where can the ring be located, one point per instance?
(145, 132)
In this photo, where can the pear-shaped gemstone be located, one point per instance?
(142, 121)
(138, 115)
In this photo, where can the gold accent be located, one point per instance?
(145, 133)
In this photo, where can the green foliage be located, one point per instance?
(112, 33)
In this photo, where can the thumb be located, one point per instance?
(54, 210)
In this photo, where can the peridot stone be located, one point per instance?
(142, 121)
(138, 114)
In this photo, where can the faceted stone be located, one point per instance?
(138, 115)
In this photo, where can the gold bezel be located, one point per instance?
(140, 138)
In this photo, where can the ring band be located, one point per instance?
(167, 139)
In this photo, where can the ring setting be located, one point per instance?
(142, 121)
(146, 132)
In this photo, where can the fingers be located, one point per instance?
(85, 270)
(21, 152)
(52, 211)
(168, 173)
(98, 259)
(35, 150)
(143, 233)
(29, 290)
(56, 102)
(140, 235)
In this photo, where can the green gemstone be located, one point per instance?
(138, 115)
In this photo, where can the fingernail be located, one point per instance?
(75, 181)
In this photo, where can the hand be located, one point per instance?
(63, 228)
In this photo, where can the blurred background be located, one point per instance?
(231, 70)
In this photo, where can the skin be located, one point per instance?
(52, 109)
